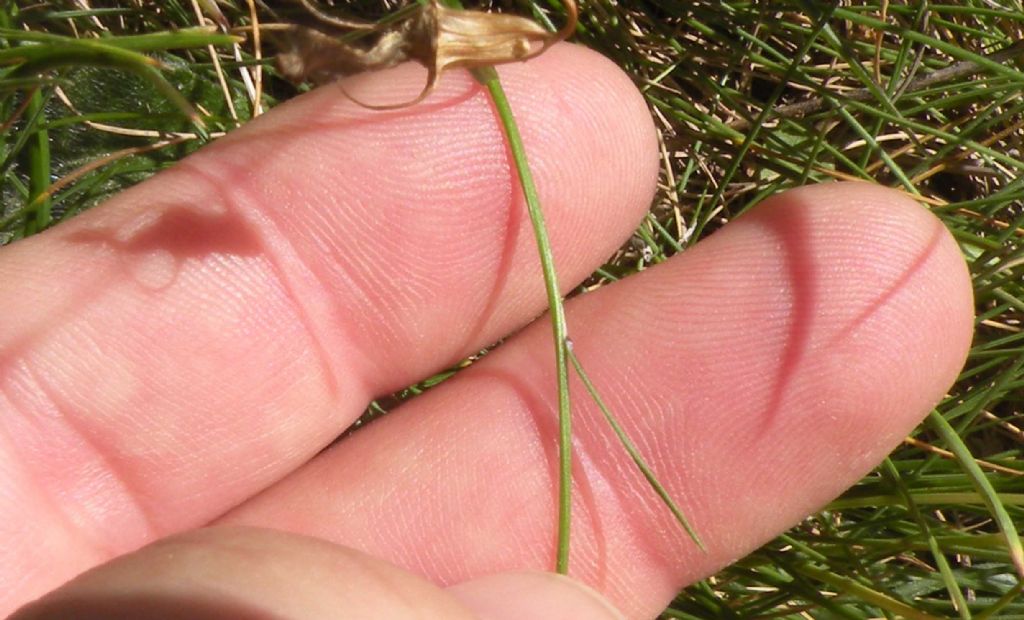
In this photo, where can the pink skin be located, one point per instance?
(261, 574)
(174, 353)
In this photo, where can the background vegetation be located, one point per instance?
(750, 98)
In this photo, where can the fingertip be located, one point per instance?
(893, 278)
(603, 106)
(535, 595)
(879, 320)
(439, 177)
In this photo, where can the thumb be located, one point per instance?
(238, 572)
(544, 596)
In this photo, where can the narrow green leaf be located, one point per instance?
(634, 454)
(859, 590)
(984, 487)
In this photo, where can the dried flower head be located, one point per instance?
(438, 37)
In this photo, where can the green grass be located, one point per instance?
(750, 99)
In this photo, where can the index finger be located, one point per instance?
(169, 354)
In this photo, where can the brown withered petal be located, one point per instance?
(475, 38)
(310, 55)
(438, 37)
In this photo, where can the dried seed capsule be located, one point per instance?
(438, 37)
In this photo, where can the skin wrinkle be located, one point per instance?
(219, 314)
(183, 227)
(619, 474)
(655, 541)
(643, 427)
(380, 370)
(71, 515)
(791, 228)
(511, 497)
(387, 494)
(288, 126)
(629, 501)
(509, 237)
(538, 406)
(406, 552)
(359, 264)
(339, 263)
(791, 272)
(598, 519)
(658, 411)
(349, 275)
(612, 464)
(93, 420)
(19, 543)
(901, 282)
(278, 252)
(583, 519)
(324, 285)
(862, 463)
(425, 559)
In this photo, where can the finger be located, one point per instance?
(536, 595)
(173, 351)
(223, 573)
(760, 374)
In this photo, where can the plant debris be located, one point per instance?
(436, 36)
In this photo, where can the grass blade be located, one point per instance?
(984, 488)
(39, 166)
(861, 591)
(948, 578)
(630, 447)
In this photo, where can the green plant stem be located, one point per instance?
(38, 154)
(938, 555)
(1004, 601)
(489, 78)
(563, 352)
(54, 52)
(751, 135)
(923, 498)
(638, 460)
(983, 486)
(853, 588)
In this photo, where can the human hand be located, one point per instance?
(179, 356)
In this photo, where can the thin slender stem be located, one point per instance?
(890, 470)
(563, 351)
(489, 78)
(38, 152)
(631, 449)
(984, 488)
